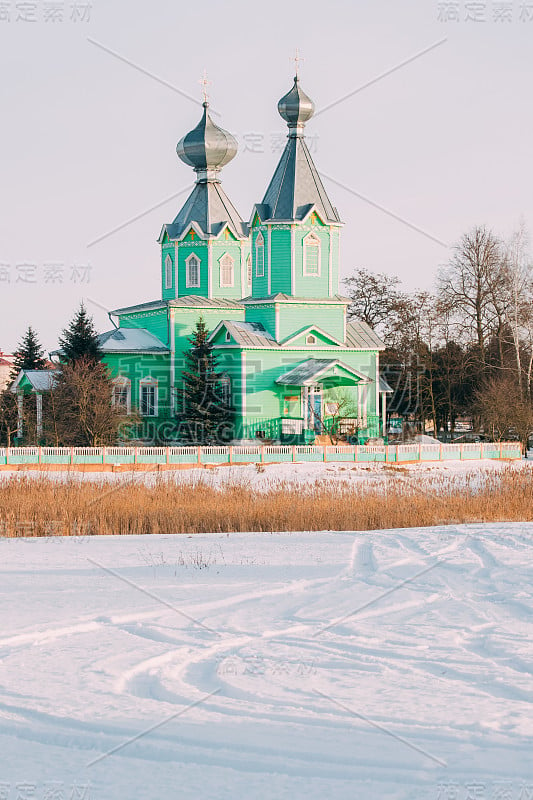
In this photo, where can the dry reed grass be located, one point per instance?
(41, 507)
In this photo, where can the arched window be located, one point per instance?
(226, 270)
(121, 397)
(168, 272)
(312, 255)
(192, 277)
(311, 339)
(249, 270)
(148, 398)
(259, 256)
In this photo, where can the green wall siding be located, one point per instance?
(154, 321)
(294, 317)
(281, 259)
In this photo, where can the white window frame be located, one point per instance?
(249, 272)
(260, 245)
(188, 282)
(122, 383)
(169, 265)
(149, 383)
(318, 245)
(231, 262)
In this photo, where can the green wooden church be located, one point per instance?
(267, 289)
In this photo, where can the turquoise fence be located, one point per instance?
(109, 457)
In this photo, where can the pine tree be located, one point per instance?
(80, 340)
(29, 354)
(207, 415)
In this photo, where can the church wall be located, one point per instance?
(154, 321)
(281, 259)
(184, 249)
(135, 367)
(264, 314)
(168, 249)
(307, 285)
(232, 247)
(294, 317)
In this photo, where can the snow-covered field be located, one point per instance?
(391, 664)
(269, 476)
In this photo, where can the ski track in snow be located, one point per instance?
(329, 681)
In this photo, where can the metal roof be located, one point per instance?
(282, 297)
(296, 186)
(207, 147)
(40, 380)
(360, 336)
(313, 369)
(250, 334)
(189, 301)
(131, 340)
(211, 209)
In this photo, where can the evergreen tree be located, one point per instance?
(80, 340)
(207, 415)
(29, 354)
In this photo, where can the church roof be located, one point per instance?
(317, 369)
(211, 209)
(360, 336)
(282, 297)
(131, 340)
(296, 185)
(189, 301)
(248, 334)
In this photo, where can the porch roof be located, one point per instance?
(332, 372)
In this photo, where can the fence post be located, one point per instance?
(420, 451)
(356, 453)
(135, 455)
(199, 454)
(462, 450)
(8, 450)
(501, 450)
(325, 452)
(104, 450)
(440, 452)
(168, 455)
(40, 456)
(71, 456)
(262, 454)
(293, 453)
(230, 448)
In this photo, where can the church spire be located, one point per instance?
(296, 186)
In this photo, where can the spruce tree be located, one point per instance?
(29, 354)
(80, 340)
(207, 416)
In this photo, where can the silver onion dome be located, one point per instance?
(296, 107)
(207, 148)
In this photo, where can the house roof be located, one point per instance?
(360, 336)
(319, 369)
(40, 380)
(131, 340)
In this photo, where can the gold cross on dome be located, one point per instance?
(204, 83)
(297, 58)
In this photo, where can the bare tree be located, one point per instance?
(375, 299)
(503, 410)
(519, 306)
(79, 411)
(473, 286)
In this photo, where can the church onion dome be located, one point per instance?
(207, 148)
(296, 108)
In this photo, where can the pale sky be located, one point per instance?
(88, 141)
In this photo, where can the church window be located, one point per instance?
(226, 270)
(168, 272)
(192, 272)
(225, 390)
(311, 339)
(249, 270)
(312, 255)
(121, 396)
(259, 256)
(148, 398)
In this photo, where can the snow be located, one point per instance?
(390, 664)
(268, 476)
